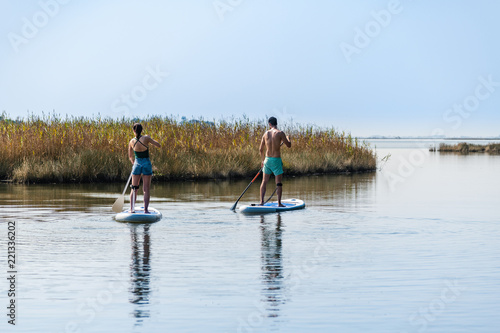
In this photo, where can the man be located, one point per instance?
(271, 158)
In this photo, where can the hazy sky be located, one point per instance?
(368, 67)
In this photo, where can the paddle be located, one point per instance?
(118, 205)
(254, 178)
(271, 195)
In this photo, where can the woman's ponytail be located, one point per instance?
(137, 129)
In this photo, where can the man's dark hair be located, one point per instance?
(273, 121)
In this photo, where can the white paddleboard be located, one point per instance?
(272, 207)
(139, 216)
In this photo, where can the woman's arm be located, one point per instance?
(152, 141)
(130, 153)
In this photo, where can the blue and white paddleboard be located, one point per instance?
(272, 207)
(139, 216)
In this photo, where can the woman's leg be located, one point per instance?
(133, 193)
(146, 185)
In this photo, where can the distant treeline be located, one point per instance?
(50, 149)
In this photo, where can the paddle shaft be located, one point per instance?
(271, 195)
(254, 178)
(118, 205)
(128, 181)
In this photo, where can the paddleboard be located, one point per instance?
(272, 207)
(139, 216)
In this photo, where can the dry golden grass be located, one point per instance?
(90, 150)
(465, 148)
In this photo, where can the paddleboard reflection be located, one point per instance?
(140, 271)
(272, 264)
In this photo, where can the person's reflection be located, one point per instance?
(140, 270)
(272, 266)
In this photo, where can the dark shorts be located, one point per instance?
(142, 166)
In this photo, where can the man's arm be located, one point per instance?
(262, 150)
(286, 139)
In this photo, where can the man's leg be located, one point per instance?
(279, 189)
(265, 179)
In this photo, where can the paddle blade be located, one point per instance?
(118, 205)
(234, 206)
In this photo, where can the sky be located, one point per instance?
(394, 68)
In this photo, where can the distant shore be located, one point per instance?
(85, 150)
(466, 148)
(444, 138)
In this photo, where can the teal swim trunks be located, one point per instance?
(273, 165)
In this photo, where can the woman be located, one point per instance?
(138, 149)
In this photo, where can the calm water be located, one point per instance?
(414, 247)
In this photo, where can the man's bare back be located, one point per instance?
(272, 141)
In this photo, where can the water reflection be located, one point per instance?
(92, 197)
(272, 264)
(309, 188)
(140, 271)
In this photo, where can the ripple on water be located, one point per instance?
(359, 258)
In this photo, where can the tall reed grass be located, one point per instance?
(466, 148)
(51, 149)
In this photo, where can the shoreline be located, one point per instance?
(87, 150)
(156, 180)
